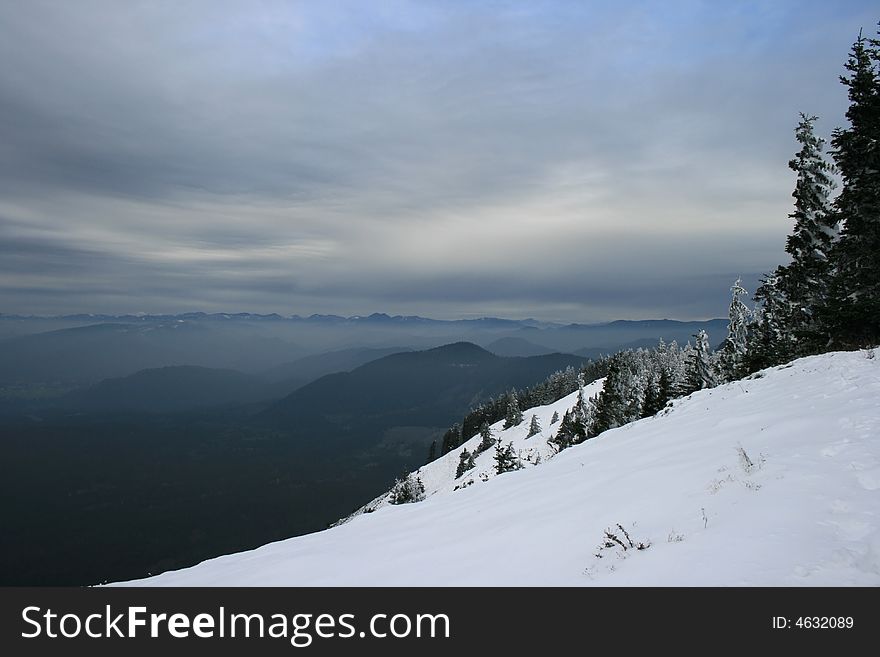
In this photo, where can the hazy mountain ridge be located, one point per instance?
(422, 388)
(102, 347)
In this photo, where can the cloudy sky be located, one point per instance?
(562, 160)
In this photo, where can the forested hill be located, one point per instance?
(426, 388)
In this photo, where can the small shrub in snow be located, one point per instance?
(407, 490)
(674, 537)
(619, 542)
(746, 463)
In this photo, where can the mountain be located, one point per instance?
(120, 495)
(427, 389)
(594, 353)
(612, 336)
(760, 482)
(87, 354)
(304, 370)
(516, 347)
(169, 389)
(41, 355)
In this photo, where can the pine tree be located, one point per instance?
(514, 416)
(771, 340)
(432, 451)
(620, 400)
(664, 389)
(555, 418)
(465, 463)
(654, 402)
(506, 459)
(735, 347)
(581, 410)
(566, 434)
(534, 427)
(572, 430)
(451, 439)
(672, 363)
(486, 438)
(807, 278)
(851, 315)
(700, 369)
(407, 490)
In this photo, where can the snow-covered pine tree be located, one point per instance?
(407, 490)
(701, 372)
(806, 280)
(570, 432)
(852, 314)
(735, 346)
(665, 389)
(770, 340)
(534, 427)
(555, 418)
(465, 463)
(581, 408)
(506, 458)
(672, 360)
(661, 393)
(652, 404)
(621, 398)
(514, 416)
(486, 438)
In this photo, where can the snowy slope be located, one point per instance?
(438, 477)
(804, 509)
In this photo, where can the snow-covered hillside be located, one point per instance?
(769, 481)
(438, 477)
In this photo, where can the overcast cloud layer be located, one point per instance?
(563, 160)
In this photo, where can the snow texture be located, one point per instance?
(769, 481)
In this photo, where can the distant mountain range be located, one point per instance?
(81, 350)
(512, 346)
(187, 387)
(375, 318)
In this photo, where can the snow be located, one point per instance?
(438, 476)
(770, 481)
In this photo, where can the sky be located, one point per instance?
(575, 161)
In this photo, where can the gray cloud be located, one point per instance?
(565, 160)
